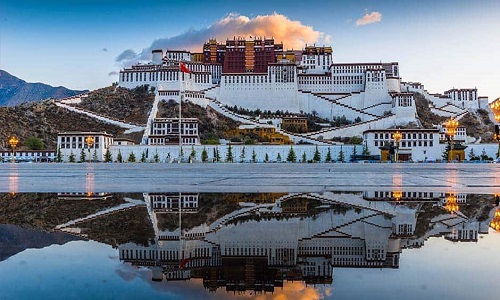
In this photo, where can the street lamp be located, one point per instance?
(13, 141)
(495, 108)
(451, 203)
(397, 137)
(89, 141)
(451, 128)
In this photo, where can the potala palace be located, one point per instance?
(258, 74)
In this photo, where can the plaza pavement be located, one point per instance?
(246, 177)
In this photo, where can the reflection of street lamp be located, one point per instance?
(397, 195)
(397, 137)
(89, 141)
(451, 128)
(495, 222)
(13, 141)
(495, 108)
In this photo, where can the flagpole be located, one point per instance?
(181, 95)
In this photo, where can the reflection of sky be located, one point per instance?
(439, 270)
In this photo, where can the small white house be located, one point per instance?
(93, 144)
(415, 144)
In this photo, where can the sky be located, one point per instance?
(82, 44)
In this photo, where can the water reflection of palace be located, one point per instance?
(258, 246)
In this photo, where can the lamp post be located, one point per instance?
(451, 204)
(451, 128)
(397, 137)
(89, 140)
(13, 141)
(495, 108)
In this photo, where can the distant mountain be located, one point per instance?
(14, 239)
(14, 91)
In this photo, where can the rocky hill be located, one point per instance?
(44, 120)
(212, 124)
(14, 91)
(131, 106)
(478, 123)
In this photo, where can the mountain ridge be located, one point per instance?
(15, 91)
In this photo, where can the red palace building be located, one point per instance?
(240, 55)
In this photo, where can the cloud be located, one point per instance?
(293, 34)
(104, 49)
(113, 73)
(126, 55)
(369, 18)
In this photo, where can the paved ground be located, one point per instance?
(473, 178)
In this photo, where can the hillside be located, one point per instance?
(44, 120)
(478, 123)
(132, 106)
(211, 124)
(14, 91)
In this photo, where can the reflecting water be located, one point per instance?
(387, 244)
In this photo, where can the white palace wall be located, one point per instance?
(170, 153)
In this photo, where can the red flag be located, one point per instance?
(183, 68)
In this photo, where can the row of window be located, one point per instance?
(388, 136)
(408, 144)
(28, 154)
(314, 80)
(353, 69)
(245, 79)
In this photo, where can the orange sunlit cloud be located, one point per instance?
(293, 34)
(369, 18)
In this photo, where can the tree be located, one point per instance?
(59, 155)
(242, 155)
(33, 143)
(254, 156)
(291, 157)
(341, 156)
(71, 157)
(485, 156)
(192, 155)
(82, 156)
(229, 154)
(278, 158)
(446, 152)
(266, 159)
(217, 154)
(472, 155)
(317, 155)
(182, 153)
(131, 157)
(143, 156)
(304, 158)
(107, 156)
(94, 156)
(156, 158)
(119, 157)
(365, 149)
(328, 155)
(204, 155)
(354, 152)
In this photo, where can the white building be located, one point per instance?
(415, 144)
(366, 91)
(28, 155)
(460, 134)
(93, 144)
(165, 131)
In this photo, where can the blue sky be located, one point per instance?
(443, 44)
